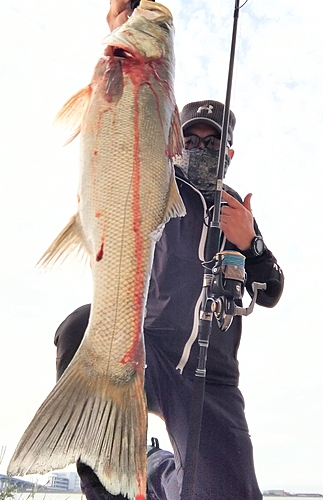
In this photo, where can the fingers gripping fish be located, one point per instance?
(130, 130)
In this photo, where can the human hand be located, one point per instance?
(118, 13)
(236, 221)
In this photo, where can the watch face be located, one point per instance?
(258, 245)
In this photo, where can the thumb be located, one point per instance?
(246, 202)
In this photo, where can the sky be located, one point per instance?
(48, 52)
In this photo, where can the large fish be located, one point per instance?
(130, 130)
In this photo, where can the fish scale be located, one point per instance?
(130, 129)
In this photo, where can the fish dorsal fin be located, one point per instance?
(68, 245)
(175, 139)
(72, 137)
(73, 111)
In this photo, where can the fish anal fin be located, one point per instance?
(73, 111)
(68, 245)
(175, 139)
(90, 419)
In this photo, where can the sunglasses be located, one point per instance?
(193, 141)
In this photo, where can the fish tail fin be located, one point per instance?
(69, 244)
(104, 425)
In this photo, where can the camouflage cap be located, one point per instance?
(209, 112)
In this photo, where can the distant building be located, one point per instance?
(74, 481)
(307, 495)
(276, 493)
(283, 493)
(58, 481)
(64, 481)
(18, 483)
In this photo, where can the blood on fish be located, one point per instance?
(139, 496)
(78, 198)
(137, 80)
(100, 253)
(136, 76)
(98, 214)
(95, 153)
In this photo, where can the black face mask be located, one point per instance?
(201, 168)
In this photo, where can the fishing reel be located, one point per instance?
(226, 284)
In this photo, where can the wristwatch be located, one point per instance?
(256, 248)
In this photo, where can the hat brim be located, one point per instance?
(196, 121)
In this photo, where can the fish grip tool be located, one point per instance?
(223, 287)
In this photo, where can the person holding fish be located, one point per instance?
(96, 413)
(225, 467)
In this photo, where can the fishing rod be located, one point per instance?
(223, 286)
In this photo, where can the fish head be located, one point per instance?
(147, 35)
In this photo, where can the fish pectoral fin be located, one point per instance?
(114, 79)
(73, 111)
(175, 208)
(88, 418)
(69, 244)
(175, 139)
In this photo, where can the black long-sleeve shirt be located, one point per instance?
(176, 285)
